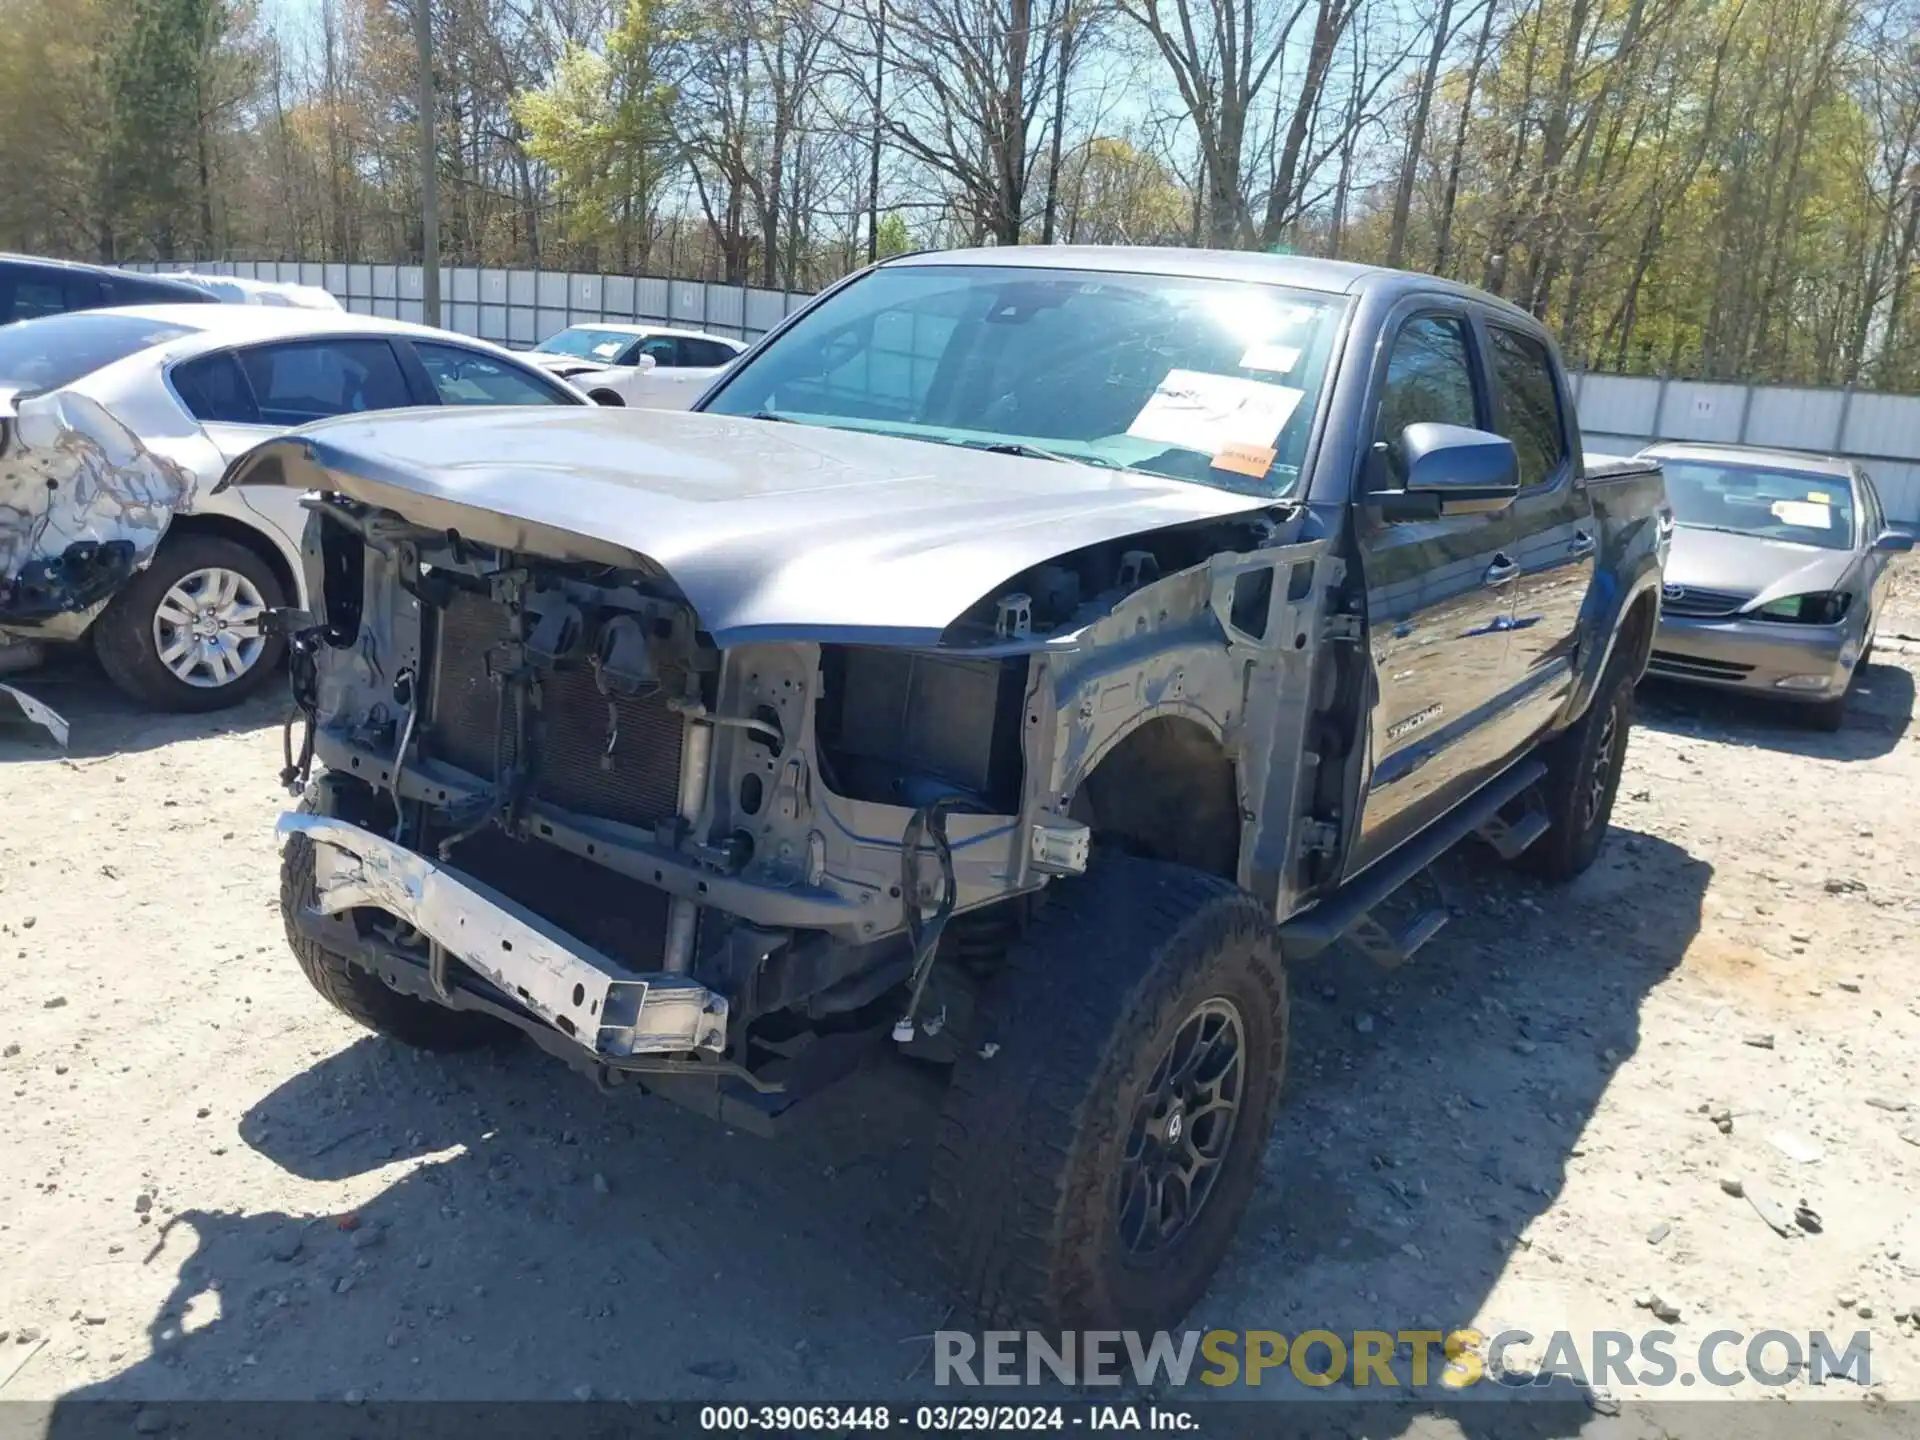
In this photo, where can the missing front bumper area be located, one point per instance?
(612, 1011)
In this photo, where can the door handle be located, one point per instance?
(1501, 571)
(1581, 544)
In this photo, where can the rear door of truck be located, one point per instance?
(1439, 592)
(1554, 531)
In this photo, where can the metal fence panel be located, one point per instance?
(726, 309)
(651, 299)
(1702, 410)
(1618, 404)
(1882, 425)
(1795, 418)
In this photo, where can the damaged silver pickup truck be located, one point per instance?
(1014, 660)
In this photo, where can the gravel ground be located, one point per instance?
(216, 1187)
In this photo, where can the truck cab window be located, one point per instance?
(1529, 404)
(1429, 377)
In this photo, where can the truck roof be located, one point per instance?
(1339, 277)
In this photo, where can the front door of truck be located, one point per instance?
(1439, 596)
(1553, 519)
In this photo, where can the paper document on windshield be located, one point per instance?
(1808, 514)
(1214, 413)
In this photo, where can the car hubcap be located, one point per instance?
(1602, 769)
(207, 628)
(1182, 1128)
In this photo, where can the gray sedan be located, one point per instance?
(1779, 565)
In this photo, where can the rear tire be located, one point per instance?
(1134, 981)
(356, 992)
(126, 637)
(1583, 777)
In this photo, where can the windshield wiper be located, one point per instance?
(771, 415)
(1036, 452)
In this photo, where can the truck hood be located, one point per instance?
(1752, 565)
(771, 530)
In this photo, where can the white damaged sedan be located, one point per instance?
(116, 424)
(646, 366)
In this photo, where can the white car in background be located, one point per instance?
(237, 290)
(641, 365)
(115, 426)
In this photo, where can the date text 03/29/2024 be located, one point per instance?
(963, 1419)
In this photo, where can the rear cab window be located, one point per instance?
(1528, 412)
(1429, 377)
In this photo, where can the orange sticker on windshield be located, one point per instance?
(1253, 460)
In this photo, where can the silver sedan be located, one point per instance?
(1779, 566)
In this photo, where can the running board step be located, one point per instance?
(1510, 837)
(1389, 950)
(1339, 914)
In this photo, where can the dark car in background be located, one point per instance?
(31, 287)
(1779, 566)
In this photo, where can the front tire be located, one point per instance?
(1104, 1134)
(354, 991)
(185, 634)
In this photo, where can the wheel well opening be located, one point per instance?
(227, 528)
(1636, 636)
(608, 398)
(1167, 792)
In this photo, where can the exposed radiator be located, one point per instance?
(570, 729)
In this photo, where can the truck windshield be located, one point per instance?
(1214, 381)
(47, 353)
(1809, 509)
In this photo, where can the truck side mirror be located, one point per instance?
(1448, 470)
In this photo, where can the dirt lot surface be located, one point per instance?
(213, 1186)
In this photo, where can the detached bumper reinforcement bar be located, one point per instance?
(599, 1003)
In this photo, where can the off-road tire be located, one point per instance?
(1026, 1176)
(356, 992)
(1577, 823)
(123, 635)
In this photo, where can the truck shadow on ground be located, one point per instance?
(1879, 710)
(103, 722)
(507, 1232)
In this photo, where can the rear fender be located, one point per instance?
(1634, 523)
(83, 504)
